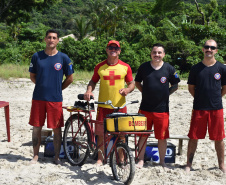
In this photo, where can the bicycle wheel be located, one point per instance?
(122, 164)
(76, 147)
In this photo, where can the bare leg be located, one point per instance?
(192, 145)
(141, 152)
(57, 144)
(219, 147)
(101, 150)
(162, 145)
(36, 141)
(100, 153)
(121, 155)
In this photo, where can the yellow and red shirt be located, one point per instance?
(112, 79)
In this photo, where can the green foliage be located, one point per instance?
(12, 11)
(163, 6)
(84, 54)
(29, 32)
(19, 54)
(182, 26)
(82, 28)
(14, 70)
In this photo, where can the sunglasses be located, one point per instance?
(112, 47)
(211, 47)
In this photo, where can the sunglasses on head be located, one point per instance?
(115, 48)
(211, 47)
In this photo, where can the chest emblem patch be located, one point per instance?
(112, 77)
(58, 66)
(217, 76)
(163, 80)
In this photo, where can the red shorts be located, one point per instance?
(200, 119)
(160, 122)
(101, 114)
(54, 112)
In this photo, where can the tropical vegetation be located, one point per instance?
(182, 26)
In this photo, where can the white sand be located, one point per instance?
(15, 156)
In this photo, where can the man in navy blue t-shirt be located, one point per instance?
(207, 84)
(153, 79)
(47, 69)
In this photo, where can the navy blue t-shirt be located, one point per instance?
(208, 82)
(49, 72)
(155, 93)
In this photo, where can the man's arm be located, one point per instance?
(33, 77)
(67, 81)
(90, 87)
(191, 89)
(129, 89)
(139, 86)
(173, 88)
(223, 90)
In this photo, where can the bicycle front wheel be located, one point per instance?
(122, 164)
(75, 140)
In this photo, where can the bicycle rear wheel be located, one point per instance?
(75, 140)
(122, 163)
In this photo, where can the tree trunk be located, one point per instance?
(200, 11)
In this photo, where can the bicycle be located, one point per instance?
(79, 140)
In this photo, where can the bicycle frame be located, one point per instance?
(107, 135)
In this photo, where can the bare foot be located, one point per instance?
(165, 167)
(140, 164)
(187, 169)
(99, 163)
(57, 161)
(223, 169)
(34, 160)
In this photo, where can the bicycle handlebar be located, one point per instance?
(81, 97)
(109, 102)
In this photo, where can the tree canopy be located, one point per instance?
(182, 26)
(13, 11)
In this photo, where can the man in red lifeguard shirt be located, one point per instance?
(112, 73)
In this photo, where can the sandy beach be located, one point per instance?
(16, 155)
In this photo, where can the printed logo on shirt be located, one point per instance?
(163, 80)
(31, 65)
(70, 65)
(58, 66)
(176, 75)
(217, 76)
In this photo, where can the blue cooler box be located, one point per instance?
(152, 153)
(49, 148)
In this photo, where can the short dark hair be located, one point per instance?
(52, 31)
(210, 40)
(158, 45)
